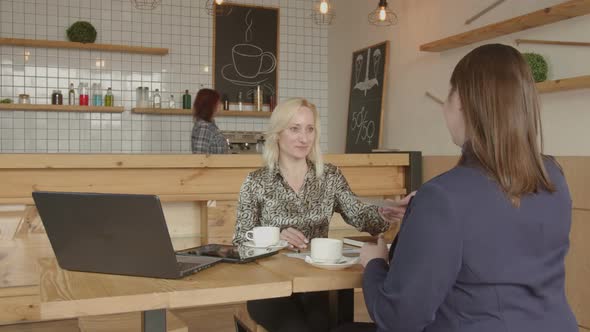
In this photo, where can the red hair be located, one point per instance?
(205, 104)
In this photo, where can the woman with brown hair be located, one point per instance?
(206, 137)
(482, 246)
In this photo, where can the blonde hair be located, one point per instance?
(502, 118)
(279, 121)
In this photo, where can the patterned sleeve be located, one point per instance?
(363, 217)
(248, 212)
(201, 138)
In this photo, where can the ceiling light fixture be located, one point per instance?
(323, 12)
(217, 8)
(382, 15)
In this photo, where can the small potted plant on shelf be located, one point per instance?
(81, 32)
(538, 66)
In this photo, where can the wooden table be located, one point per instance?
(307, 278)
(69, 294)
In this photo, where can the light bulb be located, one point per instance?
(323, 7)
(382, 14)
(219, 2)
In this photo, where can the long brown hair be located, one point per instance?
(502, 118)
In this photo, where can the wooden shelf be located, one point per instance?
(562, 11)
(580, 82)
(60, 108)
(550, 42)
(245, 113)
(179, 111)
(82, 46)
(162, 111)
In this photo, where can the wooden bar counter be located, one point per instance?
(199, 195)
(175, 177)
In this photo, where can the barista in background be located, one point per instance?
(206, 137)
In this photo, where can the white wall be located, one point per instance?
(413, 121)
(183, 26)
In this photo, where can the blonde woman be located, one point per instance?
(298, 192)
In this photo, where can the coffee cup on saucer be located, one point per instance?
(264, 236)
(325, 250)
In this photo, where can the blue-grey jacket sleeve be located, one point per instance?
(405, 296)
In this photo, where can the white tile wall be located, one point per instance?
(183, 26)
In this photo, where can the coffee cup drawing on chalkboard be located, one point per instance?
(249, 62)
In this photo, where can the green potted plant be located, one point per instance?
(538, 66)
(81, 32)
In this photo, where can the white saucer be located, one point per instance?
(281, 244)
(229, 73)
(343, 263)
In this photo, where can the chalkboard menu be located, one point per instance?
(367, 84)
(246, 52)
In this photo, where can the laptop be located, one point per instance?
(113, 233)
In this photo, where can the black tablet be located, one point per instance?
(229, 253)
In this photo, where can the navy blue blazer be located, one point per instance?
(467, 260)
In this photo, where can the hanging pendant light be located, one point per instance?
(383, 16)
(145, 4)
(217, 8)
(323, 12)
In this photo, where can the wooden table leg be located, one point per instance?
(153, 320)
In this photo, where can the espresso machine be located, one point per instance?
(244, 142)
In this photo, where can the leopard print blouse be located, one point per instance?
(266, 199)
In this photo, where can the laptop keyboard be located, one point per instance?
(187, 267)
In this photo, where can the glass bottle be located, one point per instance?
(186, 100)
(96, 95)
(109, 98)
(146, 97)
(157, 99)
(139, 97)
(258, 99)
(72, 95)
(83, 95)
(225, 103)
(57, 98)
(24, 98)
(240, 102)
(171, 102)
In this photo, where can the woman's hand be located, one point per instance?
(371, 251)
(295, 238)
(396, 213)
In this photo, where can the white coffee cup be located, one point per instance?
(264, 236)
(324, 250)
